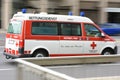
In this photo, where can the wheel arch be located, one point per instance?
(106, 49)
(40, 48)
(107, 46)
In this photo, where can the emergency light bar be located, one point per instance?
(70, 13)
(24, 10)
(81, 13)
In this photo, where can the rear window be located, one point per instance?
(15, 27)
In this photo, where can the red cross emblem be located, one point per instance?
(93, 45)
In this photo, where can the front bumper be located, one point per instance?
(115, 49)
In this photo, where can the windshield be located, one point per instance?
(15, 27)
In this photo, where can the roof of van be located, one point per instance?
(51, 17)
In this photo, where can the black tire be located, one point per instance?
(107, 52)
(7, 57)
(40, 53)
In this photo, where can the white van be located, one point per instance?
(43, 35)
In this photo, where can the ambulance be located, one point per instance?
(44, 35)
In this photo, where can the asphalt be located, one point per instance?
(2, 39)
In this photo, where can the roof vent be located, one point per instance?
(43, 13)
(19, 13)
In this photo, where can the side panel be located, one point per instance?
(33, 42)
(51, 46)
(66, 45)
(72, 45)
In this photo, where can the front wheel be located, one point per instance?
(107, 52)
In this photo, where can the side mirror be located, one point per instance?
(102, 35)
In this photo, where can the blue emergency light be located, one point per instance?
(24, 10)
(82, 13)
(70, 13)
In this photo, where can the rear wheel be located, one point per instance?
(40, 53)
(7, 57)
(107, 52)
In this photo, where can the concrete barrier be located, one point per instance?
(33, 68)
(102, 78)
(74, 60)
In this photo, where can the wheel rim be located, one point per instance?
(7, 57)
(107, 53)
(39, 55)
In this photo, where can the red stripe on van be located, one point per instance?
(14, 36)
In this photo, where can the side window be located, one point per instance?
(44, 28)
(70, 29)
(91, 30)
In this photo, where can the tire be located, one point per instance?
(107, 52)
(40, 53)
(7, 57)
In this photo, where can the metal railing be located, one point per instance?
(33, 68)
